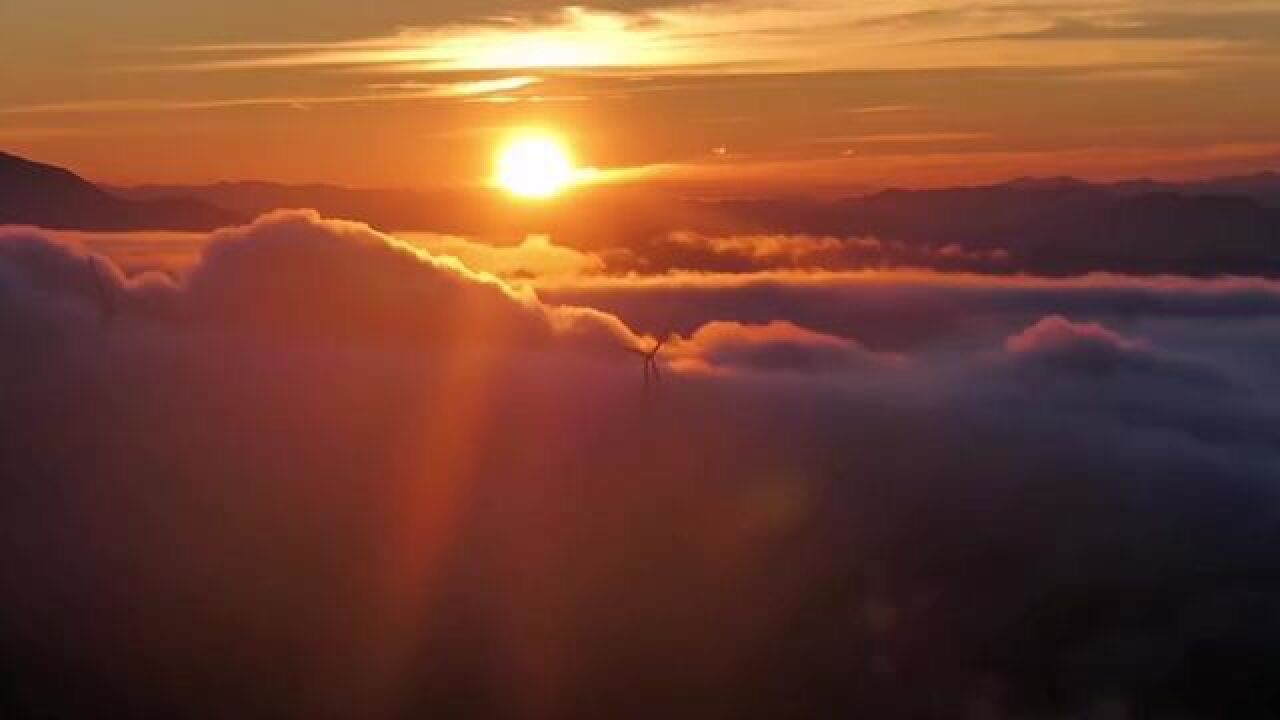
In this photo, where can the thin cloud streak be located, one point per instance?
(904, 137)
(947, 167)
(1204, 287)
(417, 91)
(753, 35)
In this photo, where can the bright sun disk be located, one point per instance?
(534, 166)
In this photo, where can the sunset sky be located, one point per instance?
(722, 359)
(763, 93)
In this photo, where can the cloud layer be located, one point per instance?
(325, 473)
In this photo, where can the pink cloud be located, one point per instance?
(775, 346)
(1056, 333)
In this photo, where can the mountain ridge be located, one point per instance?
(1048, 226)
(35, 193)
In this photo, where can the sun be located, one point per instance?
(535, 166)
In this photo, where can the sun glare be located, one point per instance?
(535, 166)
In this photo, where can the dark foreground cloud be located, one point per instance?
(322, 474)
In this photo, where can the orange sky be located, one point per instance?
(727, 94)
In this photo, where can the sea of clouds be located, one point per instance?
(318, 471)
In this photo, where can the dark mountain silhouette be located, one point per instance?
(33, 193)
(387, 208)
(472, 209)
(1053, 227)
(629, 213)
(1262, 187)
(1049, 226)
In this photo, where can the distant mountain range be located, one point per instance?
(1263, 187)
(388, 209)
(1055, 227)
(1038, 225)
(472, 210)
(33, 193)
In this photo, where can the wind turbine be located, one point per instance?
(106, 298)
(649, 362)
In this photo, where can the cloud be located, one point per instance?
(133, 252)
(913, 311)
(900, 137)
(381, 93)
(708, 253)
(1250, 28)
(1055, 348)
(325, 472)
(537, 256)
(293, 272)
(776, 346)
(1144, 156)
(295, 275)
(1056, 334)
(714, 37)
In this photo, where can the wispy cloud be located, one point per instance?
(390, 92)
(902, 137)
(881, 109)
(897, 158)
(770, 37)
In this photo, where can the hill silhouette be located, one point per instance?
(33, 193)
(1045, 226)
